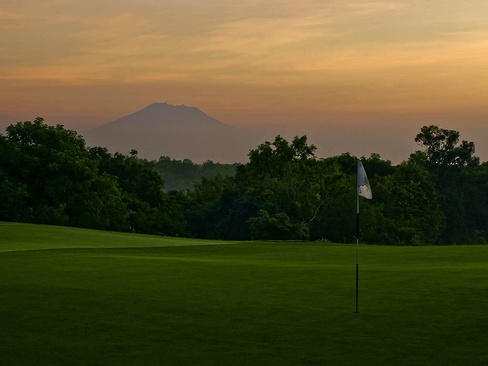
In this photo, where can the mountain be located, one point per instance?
(179, 132)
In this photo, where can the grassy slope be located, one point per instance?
(105, 298)
(17, 236)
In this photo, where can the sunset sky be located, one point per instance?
(355, 75)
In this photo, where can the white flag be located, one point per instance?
(364, 189)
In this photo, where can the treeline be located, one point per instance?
(182, 175)
(439, 195)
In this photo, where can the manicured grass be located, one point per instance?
(17, 236)
(82, 297)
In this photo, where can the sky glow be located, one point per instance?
(337, 64)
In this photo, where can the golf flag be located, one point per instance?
(364, 189)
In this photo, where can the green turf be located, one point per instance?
(17, 236)
(82, 297)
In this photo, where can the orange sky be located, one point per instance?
(336, 67)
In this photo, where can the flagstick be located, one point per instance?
(363, 190)
(357, 250)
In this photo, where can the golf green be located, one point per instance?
(83, 297)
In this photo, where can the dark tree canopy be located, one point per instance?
(442, 147)
(439, 196)
(284, 200)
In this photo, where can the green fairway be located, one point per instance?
(83, 297)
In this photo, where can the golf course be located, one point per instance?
(84, 297)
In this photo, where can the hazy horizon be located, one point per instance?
(354, 75)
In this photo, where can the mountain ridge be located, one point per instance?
(180, 132)
(166, 113)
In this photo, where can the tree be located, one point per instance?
(54, 166)
(50, 175)
(447, 159)
(13, 193)
(141, 186)
(442, 148)
(476, 203)
(411, 207)
(178, 175)
(277, 226)
(337, 221)
(182, 175)
(217, 210)
(286, 185)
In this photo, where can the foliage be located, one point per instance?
(54, 173)
(217, 211)
(438, 196)
(49, 176)
(442, 148)
(410, 205)
(275, 182)
(182, 175)
(276, 226)
(449, 161)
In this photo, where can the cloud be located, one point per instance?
(374, 7)
(257, 36)
(287, 56)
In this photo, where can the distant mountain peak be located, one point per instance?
(166, 107)
(176, 131)
(160, 105)
(164, 114)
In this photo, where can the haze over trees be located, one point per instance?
(438, 195)
(182, 175)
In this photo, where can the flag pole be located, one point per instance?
(357, 248)
(363, 189)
